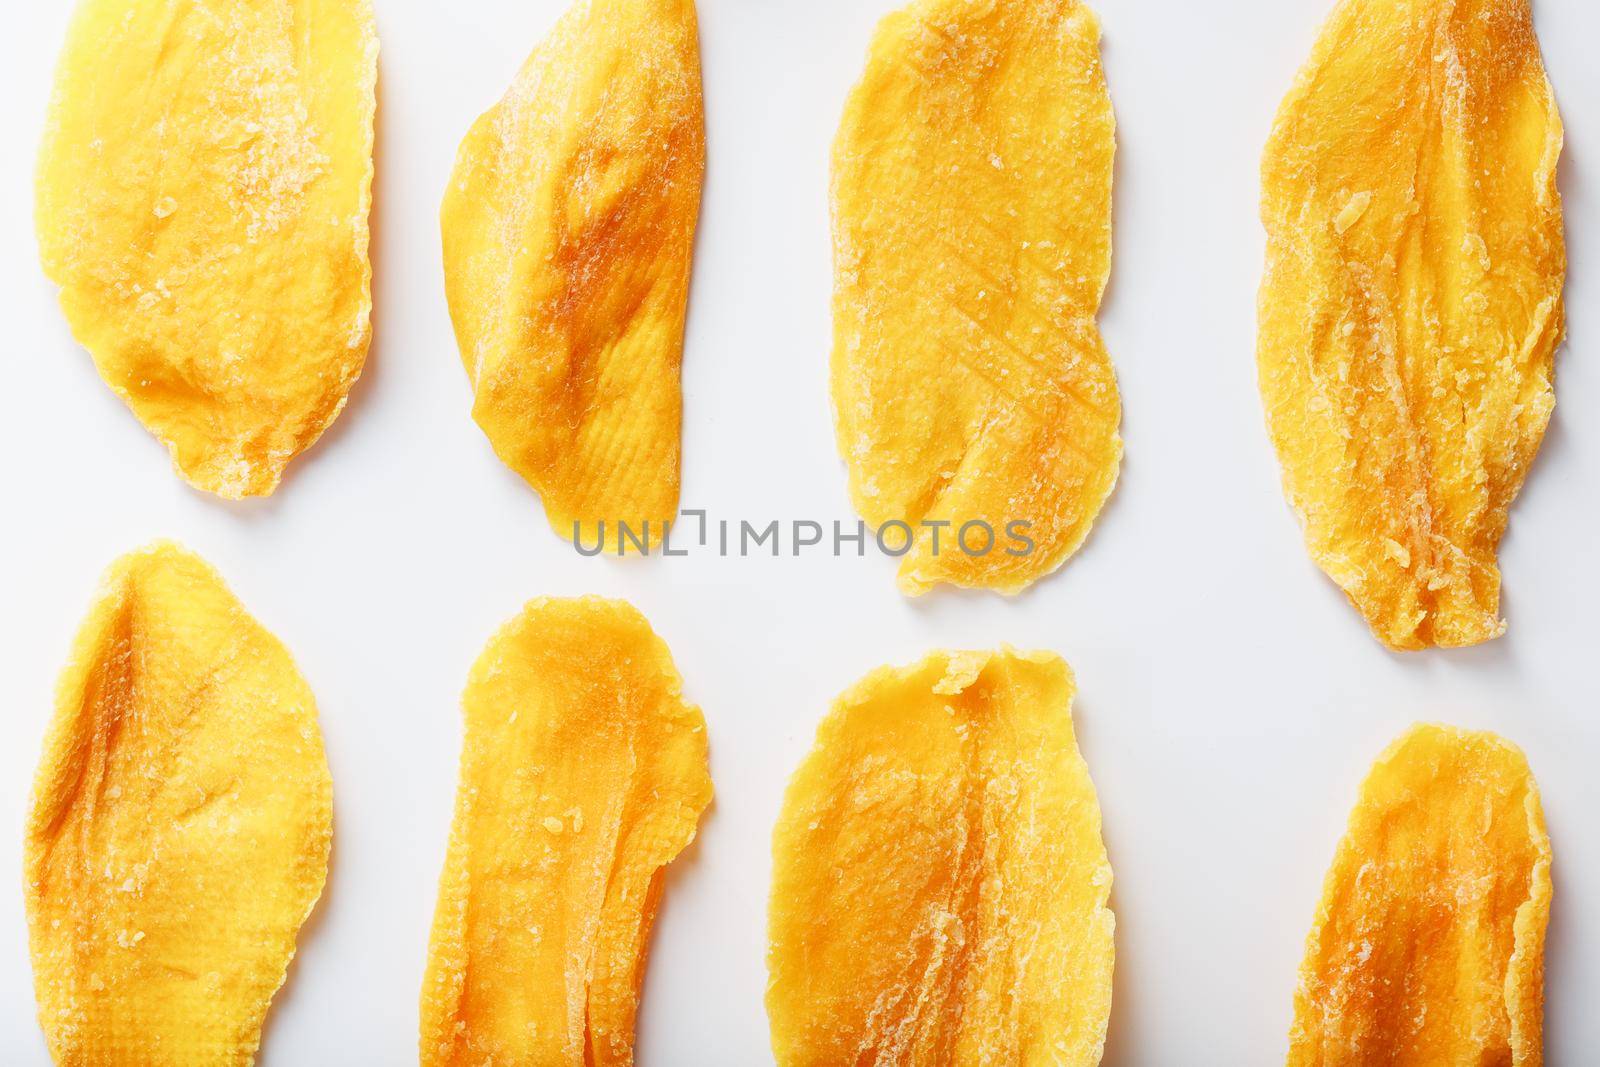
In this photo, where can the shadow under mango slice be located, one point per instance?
(202, 200)
(180, 826)
(1412, 302)
(940, 885)
(1428, 946)
(583, 774)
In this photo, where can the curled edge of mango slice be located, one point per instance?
(583, 774)
(1411, 304)
(1428, 945)
(202, 200)
(568, 230)
(972, 178)
(940, 885)
(180, 826)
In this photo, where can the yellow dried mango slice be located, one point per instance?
(1428, 946)
(972, 242)
(1411, 305)
(180, 825)
(940, 885)
(568, 231)
(583, 774)
(202, 201)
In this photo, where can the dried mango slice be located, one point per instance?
(972, 242)
(940, 886)
(202, 201)
(568, 231)
(583, 774)
(1428, 946)
(1411, 305)
(180, 825)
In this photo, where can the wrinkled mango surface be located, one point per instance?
(972, 243)
(203, 193)
(568, 230)
(1428, 946)
(180, 826)
(1411, 305)
(583, 774)
(940, 885)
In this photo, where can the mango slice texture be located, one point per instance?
(1428, 946)
(583, 774)
(568, 232)
(202, 201)
(972, 243)
(940, 885)
(180, 825)
(1411, 305)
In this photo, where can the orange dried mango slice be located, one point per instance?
(202, 201)
(1428, 946)
(972, 243)
(1411, 305)
(180, 826)
(568, 232)
(583, 775)
(940, 885)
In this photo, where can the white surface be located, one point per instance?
(1230, 699)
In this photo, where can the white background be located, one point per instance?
(1230, 700)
